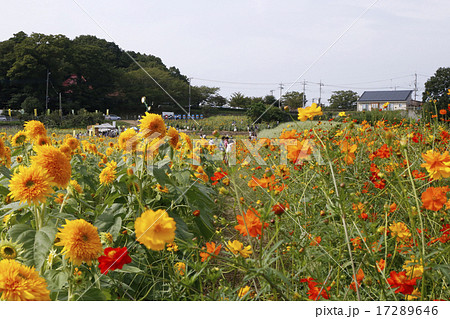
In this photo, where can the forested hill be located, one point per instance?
(89, 73)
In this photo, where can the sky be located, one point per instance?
(251, 46)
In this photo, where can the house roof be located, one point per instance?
(387, 96)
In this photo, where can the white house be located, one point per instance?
(397, 100)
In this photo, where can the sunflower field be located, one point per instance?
(340, 211)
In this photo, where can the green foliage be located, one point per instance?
(343, 100)
(237, 99)
(31, 103)
(437, 88)
(90, 73)
(294, 100)
(261, 112)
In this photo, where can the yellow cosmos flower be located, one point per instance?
(21, 283)
(437, 164)
(237, 248)
(55, 162)
(309, 112)
(413, 267)
(155, 229)
(31, 185)
(400, 230)
(152, 124)
(180, 267)
(342, 114)
(80, 240)
(243, 291)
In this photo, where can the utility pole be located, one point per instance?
(60, 107)
(415, 86)
(46, 92)
(281, 94)
(320, 92)
(304, 97)
(189, 97)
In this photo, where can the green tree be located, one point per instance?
(345, 100)
(294, 100)
(238, 99)
(260, 112)
(437, 88)
(269, 99)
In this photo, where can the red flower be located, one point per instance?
(445, 234)
(114, 258)
(401, 281)
(314, 290)
(218, 176)
(279, 209)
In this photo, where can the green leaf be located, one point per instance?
(24, 235)
(43, 241)
(93, 294)
(109, 223)
(4, 190)
(130, 269)
(5, 171)
(36, 244)
(56, 279)
(182, 231)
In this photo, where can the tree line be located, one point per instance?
(93, 74)
(87, 73)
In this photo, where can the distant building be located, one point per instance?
(397, 100)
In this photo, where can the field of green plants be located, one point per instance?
(331, 210)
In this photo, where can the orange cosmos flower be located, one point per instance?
(381, 264)
(250, 221)
(349, 152)
(438, 165)
(392, 207)
(359, 279)
(402, 282)
(434, 198)
(315, 288)
(211, 251)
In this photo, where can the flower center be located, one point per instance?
(85, 237)
(158, 228)
(29, 183)
(112, 253)
(8, 252)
